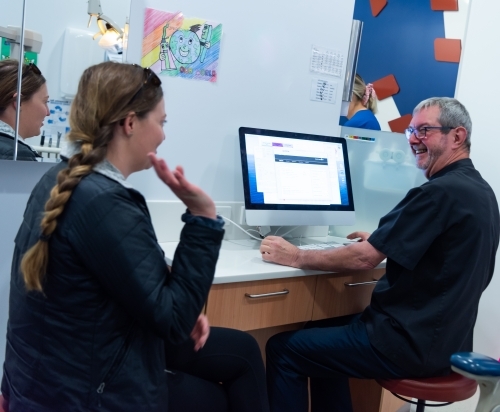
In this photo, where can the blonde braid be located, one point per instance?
(106, 94)
(35, 261)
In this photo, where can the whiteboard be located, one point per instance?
(263, 80)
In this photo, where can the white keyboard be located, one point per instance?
(320, 246)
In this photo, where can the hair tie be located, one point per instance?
(369, 92)
(44, 238)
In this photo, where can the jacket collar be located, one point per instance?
(105, 167)
(6, 129)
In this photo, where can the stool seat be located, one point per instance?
(451, 388)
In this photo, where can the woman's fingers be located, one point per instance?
(197, 201)
(200, 332)
(161, 169)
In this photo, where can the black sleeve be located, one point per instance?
(116, 241)
(407, 231)
(7, 154)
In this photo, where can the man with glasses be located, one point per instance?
(440, 242)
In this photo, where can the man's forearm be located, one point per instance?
(358, 256)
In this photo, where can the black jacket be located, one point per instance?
(24, 152)
(94, 341)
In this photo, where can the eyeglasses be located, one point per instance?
(421, 132)
(33, 68)
(149, 77)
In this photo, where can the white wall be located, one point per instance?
(478, 88)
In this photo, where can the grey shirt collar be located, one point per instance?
(105, 167)
(6, 129)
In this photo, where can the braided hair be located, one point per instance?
(106, 94)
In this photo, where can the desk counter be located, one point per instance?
(240, 261)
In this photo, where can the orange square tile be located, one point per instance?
(377, 6)
(386, 86)
(444, 5)
(400, 124)
(447, 50)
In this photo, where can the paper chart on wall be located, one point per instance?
(57, 123)
(326, 61)
(179, 46)
(323, 90)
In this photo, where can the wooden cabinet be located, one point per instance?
(247, 306)
(308, 298)
(239, 306)
(340, 294)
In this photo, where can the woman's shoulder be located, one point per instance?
(103, 191)
(24, 152)
(6, 146)
(96, 184)
(363, 119)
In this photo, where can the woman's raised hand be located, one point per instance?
(197, 201)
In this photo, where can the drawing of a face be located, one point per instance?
(185, 46)
(163, 47)
(204, 32)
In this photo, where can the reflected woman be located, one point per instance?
(34, 109)
(363, 106)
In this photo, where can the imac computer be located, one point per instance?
(294, 179)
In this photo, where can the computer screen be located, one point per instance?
(295, 179)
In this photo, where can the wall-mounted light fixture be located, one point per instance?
(111, 33)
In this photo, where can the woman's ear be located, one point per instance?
(129, 124)
(14, 101)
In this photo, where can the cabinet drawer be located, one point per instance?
(333, 298)
(230, 306)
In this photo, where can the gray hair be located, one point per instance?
(452, 114)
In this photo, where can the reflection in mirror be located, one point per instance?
(363, 106)
(34, 96)
(68, 49)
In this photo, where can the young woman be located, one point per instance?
(92, 301)
(363, 106)
(34, 98)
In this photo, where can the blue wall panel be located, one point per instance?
(400, 41)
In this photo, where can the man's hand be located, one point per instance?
(362, 235)
(277, 250)
(200, 332)
(197, 201)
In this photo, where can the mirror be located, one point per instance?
(67, 49)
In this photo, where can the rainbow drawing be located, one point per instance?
(174, 45)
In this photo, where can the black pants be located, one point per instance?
(227, 374)
(329, 354)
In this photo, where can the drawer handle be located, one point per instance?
(266, 295)
(373, 282)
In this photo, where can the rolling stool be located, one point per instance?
(484, 370)
(446, 389)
